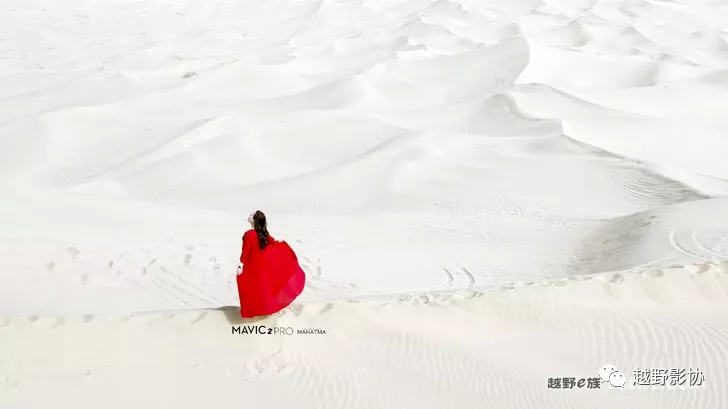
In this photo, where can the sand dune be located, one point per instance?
(405, 150)
(480, 349)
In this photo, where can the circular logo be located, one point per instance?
(605, 371)
(617, 379)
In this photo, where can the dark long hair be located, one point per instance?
(261, 228)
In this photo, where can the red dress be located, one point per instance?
(271, 278)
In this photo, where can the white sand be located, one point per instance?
(404, 149)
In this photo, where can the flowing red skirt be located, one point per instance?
(270, 281)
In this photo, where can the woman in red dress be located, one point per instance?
(270, 277)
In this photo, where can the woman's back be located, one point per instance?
(271, 277)
(251, 246)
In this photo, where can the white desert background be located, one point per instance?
(484, 194)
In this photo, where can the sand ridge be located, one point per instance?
(469, 346)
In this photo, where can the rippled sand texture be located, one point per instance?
(466, 349)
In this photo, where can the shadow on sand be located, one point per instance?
(232, 315)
